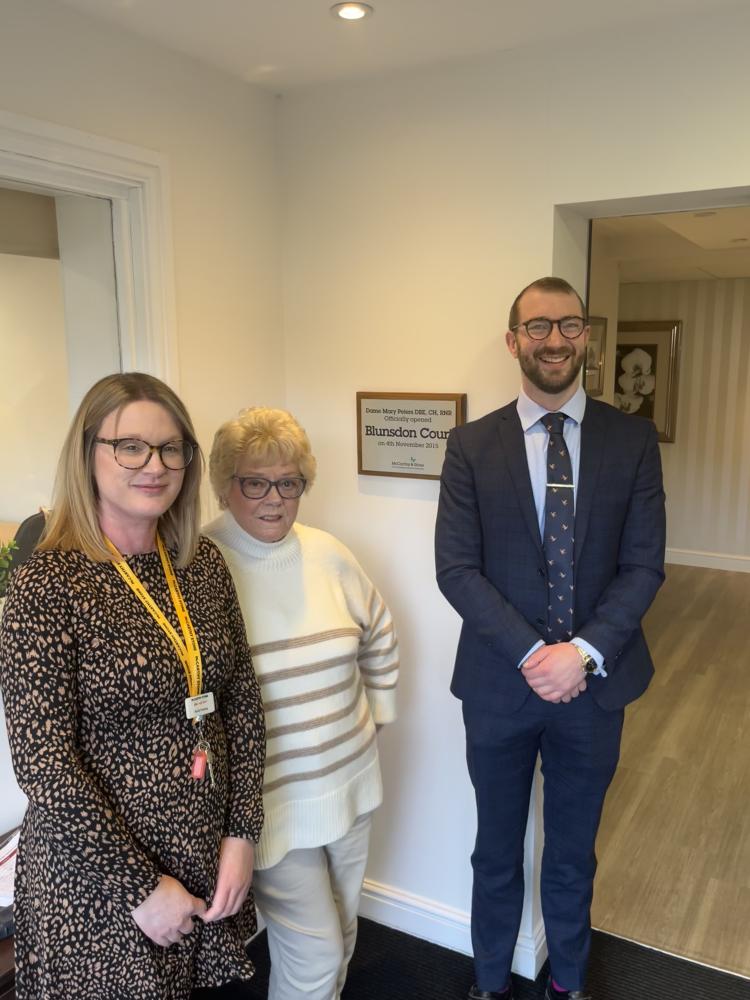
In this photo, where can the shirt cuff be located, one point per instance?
(537, 645)
(593, 652)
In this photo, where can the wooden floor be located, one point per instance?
(674, 845)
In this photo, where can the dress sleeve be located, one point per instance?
(244, 723)
(38, 673)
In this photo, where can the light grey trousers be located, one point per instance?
(309, 901)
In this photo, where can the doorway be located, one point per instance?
(59, 330)
(674, 862)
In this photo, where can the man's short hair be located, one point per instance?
(548, 284)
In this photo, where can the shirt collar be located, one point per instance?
(531, 413)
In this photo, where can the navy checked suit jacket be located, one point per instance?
(491, 567)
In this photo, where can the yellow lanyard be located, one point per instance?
(187, 647)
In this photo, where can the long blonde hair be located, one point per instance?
(73, 522)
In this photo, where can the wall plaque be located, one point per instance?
(404, 433)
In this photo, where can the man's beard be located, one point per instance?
(551, 383)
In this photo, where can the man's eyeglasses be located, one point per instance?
(256, 487)
(132, 453)
(540, 328)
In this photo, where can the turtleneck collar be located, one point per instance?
(226, 531)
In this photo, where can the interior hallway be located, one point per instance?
(674, 845)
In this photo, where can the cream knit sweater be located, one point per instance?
(326, 655)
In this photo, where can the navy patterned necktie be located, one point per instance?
(559, 518)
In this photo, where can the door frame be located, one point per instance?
(55, 159)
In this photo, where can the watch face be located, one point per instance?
(590, 665)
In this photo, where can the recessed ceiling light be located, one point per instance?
(352, 11)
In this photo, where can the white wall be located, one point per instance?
(218, 135)
(415, 208)
(707, 467)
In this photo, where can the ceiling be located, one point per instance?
(287, 45)
(678, 246)
(290, 44)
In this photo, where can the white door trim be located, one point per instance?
(57, 159)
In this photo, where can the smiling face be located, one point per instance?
(131, 501)
(269, 519)
(549, 368)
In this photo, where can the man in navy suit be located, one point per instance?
(550, 545)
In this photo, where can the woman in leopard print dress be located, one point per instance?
(133, 876)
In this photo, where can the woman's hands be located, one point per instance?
(235, 874)
(166, 915)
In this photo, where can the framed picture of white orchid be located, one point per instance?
(647, 362)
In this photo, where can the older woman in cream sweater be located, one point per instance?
(325, 653)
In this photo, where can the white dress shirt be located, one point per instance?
(536, 439)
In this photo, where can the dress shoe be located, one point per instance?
(476, 994)
(552, 994)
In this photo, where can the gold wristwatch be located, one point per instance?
(588, 663)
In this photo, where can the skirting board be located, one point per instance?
(442, 925)
(709, 560)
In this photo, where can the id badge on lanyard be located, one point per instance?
(198, 704)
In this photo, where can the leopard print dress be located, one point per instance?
(94, 699)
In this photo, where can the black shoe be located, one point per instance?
(476, 994)
(552, 994)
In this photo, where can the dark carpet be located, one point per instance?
(392, 965)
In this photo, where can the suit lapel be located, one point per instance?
(592, 451)
(514, 449)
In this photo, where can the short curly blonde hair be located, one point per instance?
(264, 436)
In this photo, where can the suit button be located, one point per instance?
(540, 621)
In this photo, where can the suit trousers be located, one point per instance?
(579, 744)
(309, 901)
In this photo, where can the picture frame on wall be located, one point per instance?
(647, 361)
(593, 375)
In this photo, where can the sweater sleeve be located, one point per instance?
(38, 671)
(378, 655)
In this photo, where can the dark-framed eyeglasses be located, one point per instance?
(257, 487)
(541, 327)
(132, 453)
